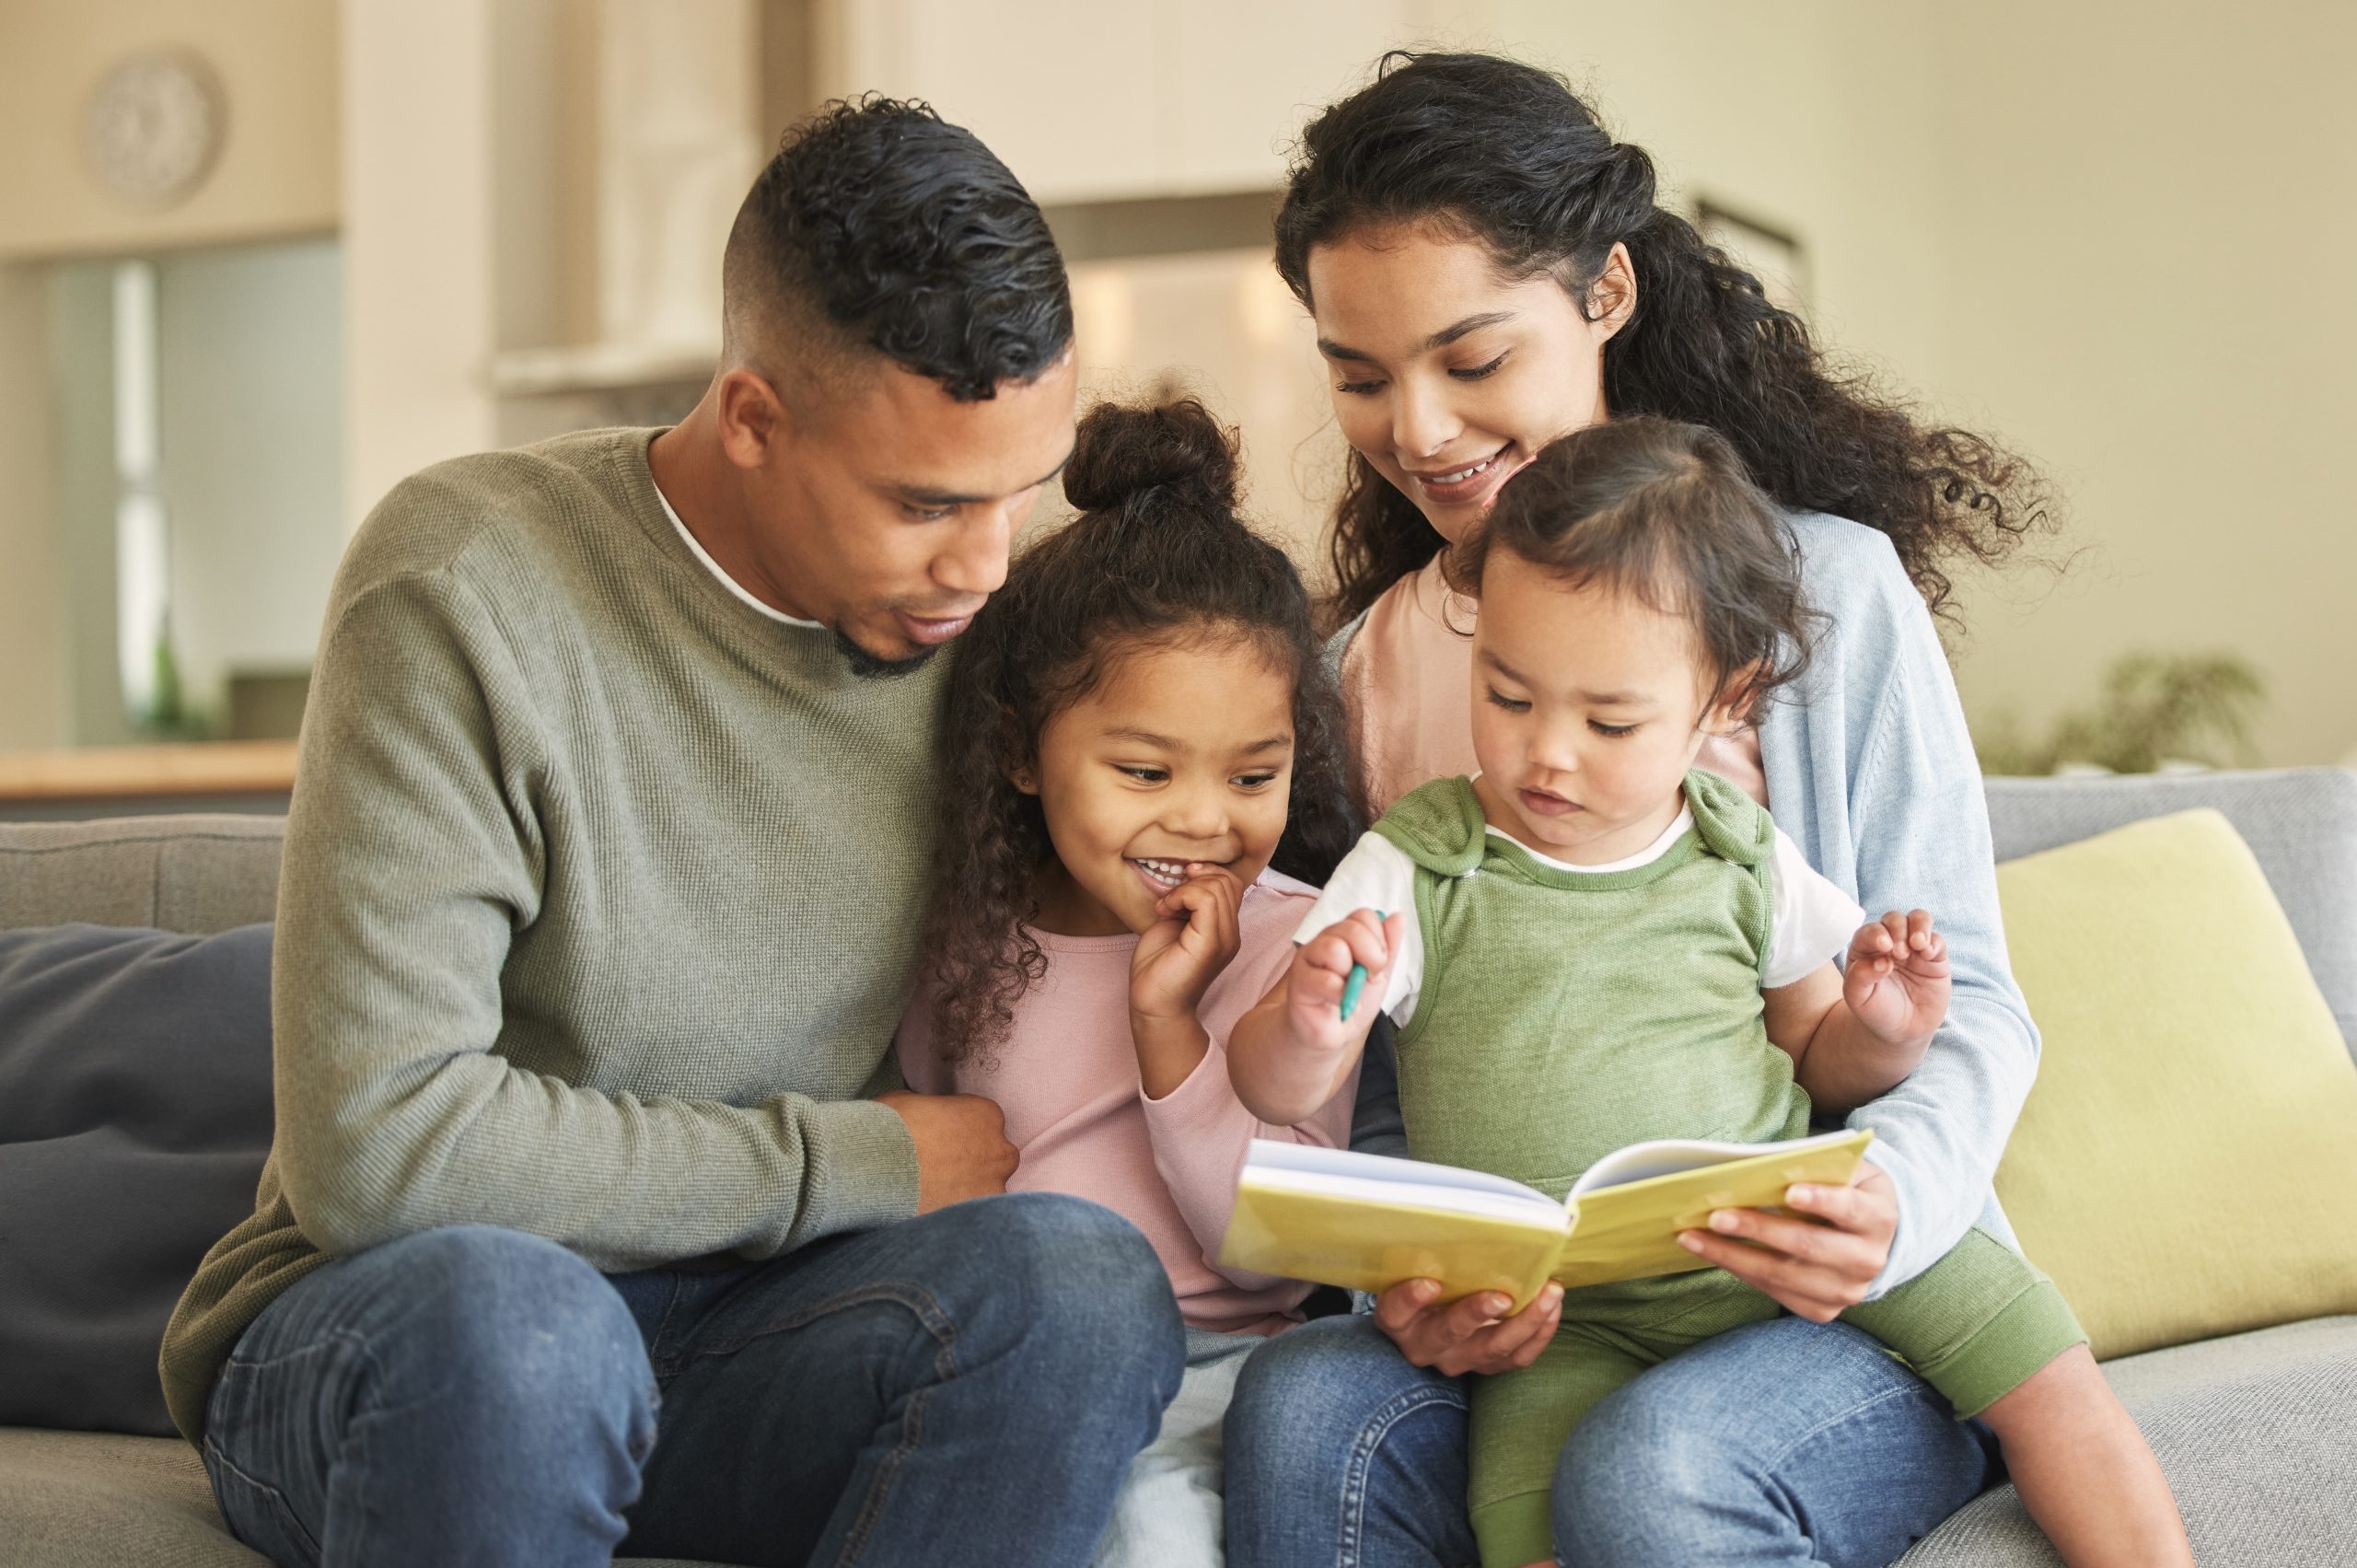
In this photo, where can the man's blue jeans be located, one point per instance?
(1780, 1443)
(965, 1387)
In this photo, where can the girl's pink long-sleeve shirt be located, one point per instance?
(1067, 1080)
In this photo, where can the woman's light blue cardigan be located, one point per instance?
(1870, 770)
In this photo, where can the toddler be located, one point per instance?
(1592, 943)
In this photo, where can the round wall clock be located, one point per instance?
(154, 126)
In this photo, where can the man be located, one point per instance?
(601, 882)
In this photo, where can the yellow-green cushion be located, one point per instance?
(2186, 1165)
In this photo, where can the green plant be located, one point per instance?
(2153, 708)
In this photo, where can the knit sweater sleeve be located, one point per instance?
(418, 846)
(1911, 831)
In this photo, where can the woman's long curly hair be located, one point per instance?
(1506, 154)
(1157, 556)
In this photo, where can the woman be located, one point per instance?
(1488, 270)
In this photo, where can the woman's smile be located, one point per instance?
(1470, 484)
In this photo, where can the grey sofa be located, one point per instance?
(2255, 1430)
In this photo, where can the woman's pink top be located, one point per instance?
(1066, 1078)
(1408, 696)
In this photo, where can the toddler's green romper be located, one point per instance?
(1564, 1015)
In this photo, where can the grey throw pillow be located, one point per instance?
(135, 1116)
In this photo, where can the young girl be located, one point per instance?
(1144, 777)
(1595, 943)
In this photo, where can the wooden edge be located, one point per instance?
(114, 772)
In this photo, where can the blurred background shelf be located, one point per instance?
(99, 781)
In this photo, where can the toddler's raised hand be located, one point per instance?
(1897, 980)
(1321, 968)
(1185, 948)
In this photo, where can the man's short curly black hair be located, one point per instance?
(878, 225)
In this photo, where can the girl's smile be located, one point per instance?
(1164, 874)
(1177, 761)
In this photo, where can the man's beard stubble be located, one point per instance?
(873, 666)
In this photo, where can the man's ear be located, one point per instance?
(754, 421)
(1737, 701)
(1612, 298)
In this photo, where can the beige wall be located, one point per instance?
(421, 272)
(32, 641)
(277, 169)
(2150, 215)
(2115, 235)
(1810, 114)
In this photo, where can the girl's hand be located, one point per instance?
(1191, 941)
(1897, 980)
(1321, 968)
(1467, 1335)
(1814, 1263)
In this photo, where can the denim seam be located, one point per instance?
(922, 1306)
(871, 1508)
(663, 1324)
(285, 1509)
(357, 1342)
(919, 1302)
(1362, 1453)
(1832, 1421)
(352, 1336)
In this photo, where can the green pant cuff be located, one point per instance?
(1515, 1530)
(2026, 1333)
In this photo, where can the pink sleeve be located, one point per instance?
(923, 1069)
(1200, 1130)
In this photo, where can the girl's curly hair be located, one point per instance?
(1506, 154)
(1156, 555)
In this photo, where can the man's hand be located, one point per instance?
(962, 1150)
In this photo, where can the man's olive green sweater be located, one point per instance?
(599, 901)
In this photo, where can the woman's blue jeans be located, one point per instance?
(1781, 1444)
(967, 1388)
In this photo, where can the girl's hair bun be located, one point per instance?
(1122, 451)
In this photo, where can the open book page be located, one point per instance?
(1365, 1222)
(1628, 1207)
(1666, 1156)
(1378, 1178)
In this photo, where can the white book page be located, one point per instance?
(1524, 1208)
(1303, 1167)
(1666, 1156)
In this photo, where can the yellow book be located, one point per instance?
(1367, 1222)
